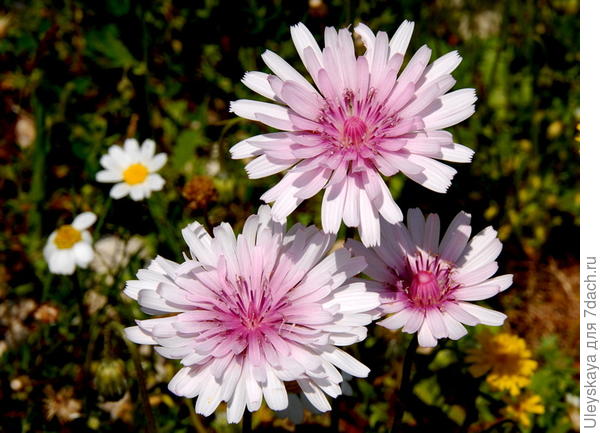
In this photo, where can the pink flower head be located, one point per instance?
(425, 284)
(364, 120)
(250, 313)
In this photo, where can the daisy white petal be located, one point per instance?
(119, 190)
(148, 149)
(157, 162)
(83, 254)
(84, 221)
(109, 176)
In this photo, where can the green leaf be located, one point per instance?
(118, 7)
(177, 110)
(107, 43)
(185, 147)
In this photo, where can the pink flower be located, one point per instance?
(250, 313)
(425, 284)
(363, 121)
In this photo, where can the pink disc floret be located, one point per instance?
(354, 131)
(424, 288)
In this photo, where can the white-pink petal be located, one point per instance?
(425, 336)
(456, 153)
(258, 81)
(455, 329)
(266, 166)
(476, 293)
(454, 108)
(369, 227)
(304, 39)
(400, 40)
(284, 70)
(332, 207)
(136, 335)
(485, 316)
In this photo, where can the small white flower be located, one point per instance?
(25, 131)
(113, 253)
(70, 245)
(134, 169)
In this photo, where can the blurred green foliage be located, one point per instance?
(91, 76)
(76, 78)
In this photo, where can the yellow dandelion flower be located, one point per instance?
(506, 360)
(522, 409)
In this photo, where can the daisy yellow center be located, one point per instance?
(135, 173)
(67, 236)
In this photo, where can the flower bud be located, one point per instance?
(110, 379)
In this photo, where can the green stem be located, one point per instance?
(227, 126)
(105, 209)
(165, 228)
(347, 12)
(491, 81)
(78, 293)
(37, 189)
(38, 177)
(194, 417)
(106, 345)
(87, 362)
(405, 388)
(48, 278)
(218, 146)
(141, 377)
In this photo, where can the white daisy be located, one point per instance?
(134, 169)
(112, 253)
(70, 245)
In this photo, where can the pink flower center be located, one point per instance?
(251, 315)
(354, 130)
(428, 281)
(251, 321)
(424, 288)
(252, 308)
